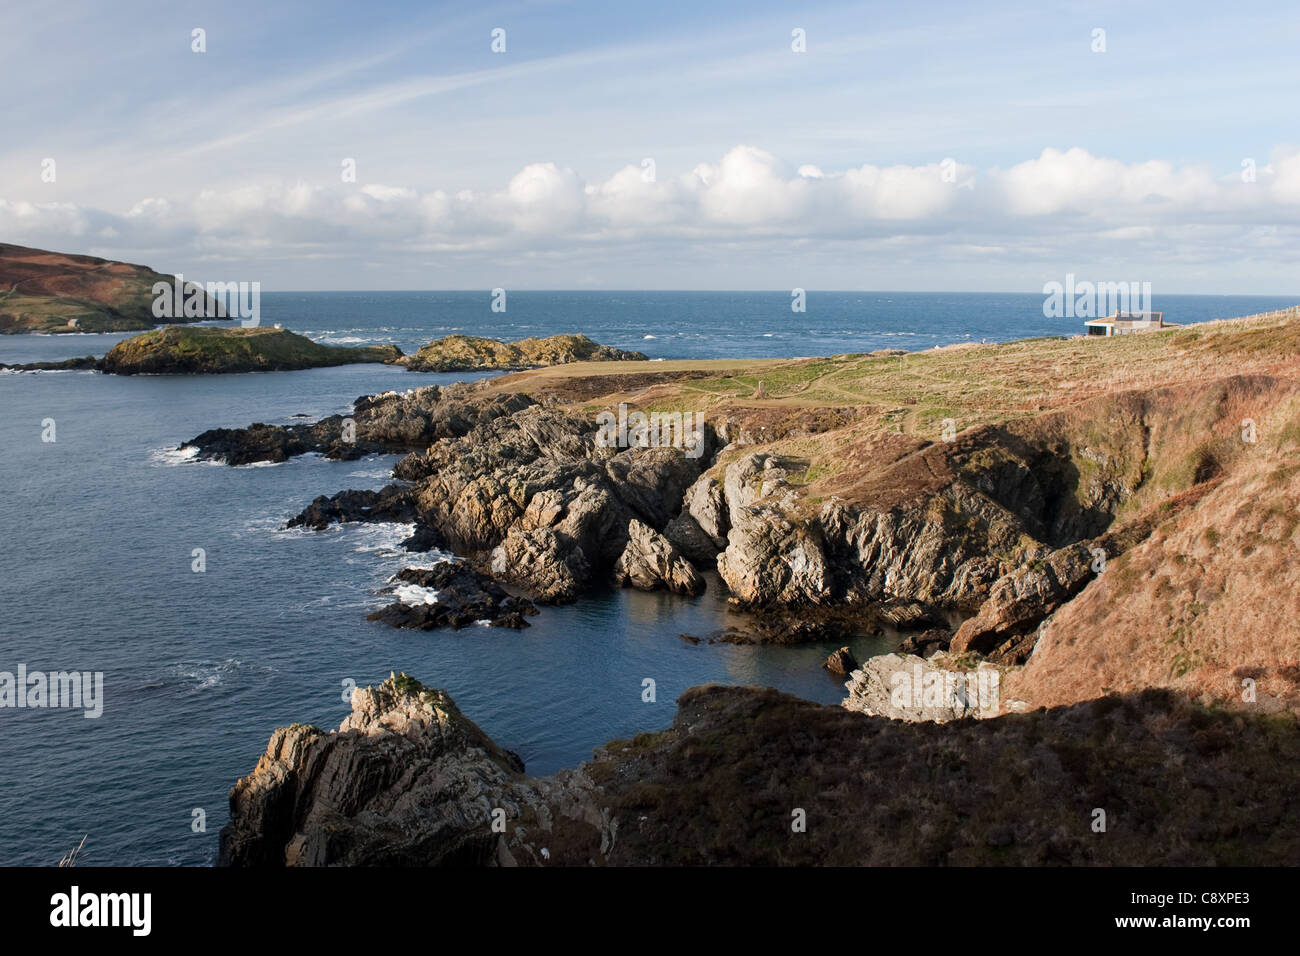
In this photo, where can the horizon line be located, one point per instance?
(1271, 295)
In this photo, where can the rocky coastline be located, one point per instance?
(1008, 556)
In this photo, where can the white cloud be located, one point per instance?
(1067, 204)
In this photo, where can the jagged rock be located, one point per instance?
(390, 503)
(463, 597)
(650, 561)
(841, 663)
(406, 781)
(927, 643)
(772, 560)
(385, 423)
(652, 481)
(699, 531)
(801, 625)
(910, 688)
(552, 569)
(532, 497)
(1020, 601)
(424, 539)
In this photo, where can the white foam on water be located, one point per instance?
(413, 594)
(185, 455)
(381, 474)
(207, 674)
(383, 537)
(434, 557)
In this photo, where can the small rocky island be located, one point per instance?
(468, 353)
(205, 350)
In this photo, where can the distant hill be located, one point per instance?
(43, 291)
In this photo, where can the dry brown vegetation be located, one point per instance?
(1207, 591)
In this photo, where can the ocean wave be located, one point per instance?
(184, 455)
(382, 538)
(434, 557)
(202, 675)
(377, 474)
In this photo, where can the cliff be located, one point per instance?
(44, 291)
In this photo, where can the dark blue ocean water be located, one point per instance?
(99, 527)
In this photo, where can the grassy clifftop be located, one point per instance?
(204, 349)
(1179, 450)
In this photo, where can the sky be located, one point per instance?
(668, 145)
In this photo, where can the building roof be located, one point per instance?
(1128, 318)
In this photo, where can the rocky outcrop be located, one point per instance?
(391, 503)
(552, 568)
(463, 353)
(650, 561)
(1005, 627)
(916, 689)
(536, 501)
(451, 594)
(939, 549)
(406, 781)
(926, 643)
(751, 776)
(386, 423)
(987, 535)
(208, 351)
(87, 363)
(841, 663)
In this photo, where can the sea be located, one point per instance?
(104, 525)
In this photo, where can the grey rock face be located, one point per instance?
(914, 689)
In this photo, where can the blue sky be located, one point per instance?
(771, 168)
